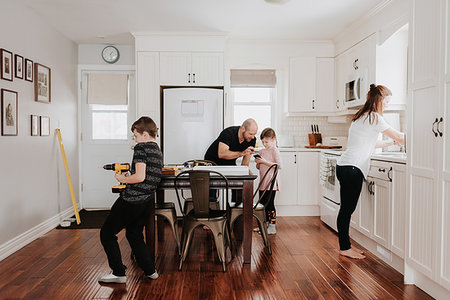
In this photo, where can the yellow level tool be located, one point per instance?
(69, 181)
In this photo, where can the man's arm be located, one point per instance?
(224, 152)
(137, 177)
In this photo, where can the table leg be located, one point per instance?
(150, 230)
(247, 198)
(160, 220)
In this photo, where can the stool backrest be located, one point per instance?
(268, 190)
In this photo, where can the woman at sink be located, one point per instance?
(353, 165)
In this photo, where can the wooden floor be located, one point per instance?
(65, 264)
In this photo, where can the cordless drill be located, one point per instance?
(119, 168)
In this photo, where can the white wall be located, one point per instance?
(91, 54)
(33, 185)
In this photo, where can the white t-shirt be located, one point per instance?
(362, 138)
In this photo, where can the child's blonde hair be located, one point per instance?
(269, 133)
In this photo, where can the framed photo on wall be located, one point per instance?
(35, 128)
(18, 63)
(28, 70)
(6, 65)
(45, 126)
(9, 112)
(42, 83)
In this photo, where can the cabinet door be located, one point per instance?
(382, 212)
(207, 69)
(340, 80)
(308, 178)
(302, 84)
(325, 85)
(398, 218)
(148, 85)
(445, 128)
(175, 68)
(287, 195)
(422, 145)
(366, 201)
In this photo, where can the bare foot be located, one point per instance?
(358, 250)
(351, 253)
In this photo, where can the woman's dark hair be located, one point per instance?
(373, 103)
(145, 124)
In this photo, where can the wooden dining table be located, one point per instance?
(242, 183)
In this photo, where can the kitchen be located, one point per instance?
(293, 112)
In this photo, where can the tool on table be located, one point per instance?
(119, 168)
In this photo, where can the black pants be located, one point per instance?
(351, 179)
(132, 217)
(269, 198)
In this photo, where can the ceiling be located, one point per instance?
(111, 21)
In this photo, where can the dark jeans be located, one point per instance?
(271, 213)
(351, 180)
(132, 217)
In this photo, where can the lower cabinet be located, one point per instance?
(299, 183)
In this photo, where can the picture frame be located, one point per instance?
(42, 83)
(9, 108)
(44, 126)
(18, 66)
(35, 125)
(28, 70)
(6, 65)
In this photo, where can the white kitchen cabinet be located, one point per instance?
(302, 84)
(148, 96)
(299, 183)
(340, 79)
(308, 178)
(381, 212)
(196, 69)
(288, 180)
(398, 210)
(428, 173)
(325, 85)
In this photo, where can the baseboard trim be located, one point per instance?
(34, 233)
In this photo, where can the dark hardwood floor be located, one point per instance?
(305, 264)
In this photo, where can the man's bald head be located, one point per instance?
(249, 129)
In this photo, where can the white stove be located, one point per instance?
(330, 201)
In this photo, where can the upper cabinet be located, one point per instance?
(196, 68)
(311, 84)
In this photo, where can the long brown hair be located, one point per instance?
(373, 103)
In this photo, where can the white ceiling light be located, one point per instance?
(277, 1)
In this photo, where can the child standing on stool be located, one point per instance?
(268, 156)
(130, 211)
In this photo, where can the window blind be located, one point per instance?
(253, 78)
(108, 89)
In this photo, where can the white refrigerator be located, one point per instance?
(192, 120)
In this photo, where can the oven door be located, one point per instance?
(328, 180)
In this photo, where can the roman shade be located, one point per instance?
(252, 78)
(108, 89)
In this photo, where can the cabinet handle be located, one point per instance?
(356, 64)
(295, 158)
(432, 127)
(369, 187)
(389, 174)
(312, 103)
(438, 125)
(337, 104)
(189, 77)
(381, 170)
(193, 76)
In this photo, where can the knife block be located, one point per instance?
(314, 138)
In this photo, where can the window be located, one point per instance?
(109, 122)
(253, 103)
(252, 93)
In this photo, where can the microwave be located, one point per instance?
(356, 89)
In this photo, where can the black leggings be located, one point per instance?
(351, 180)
